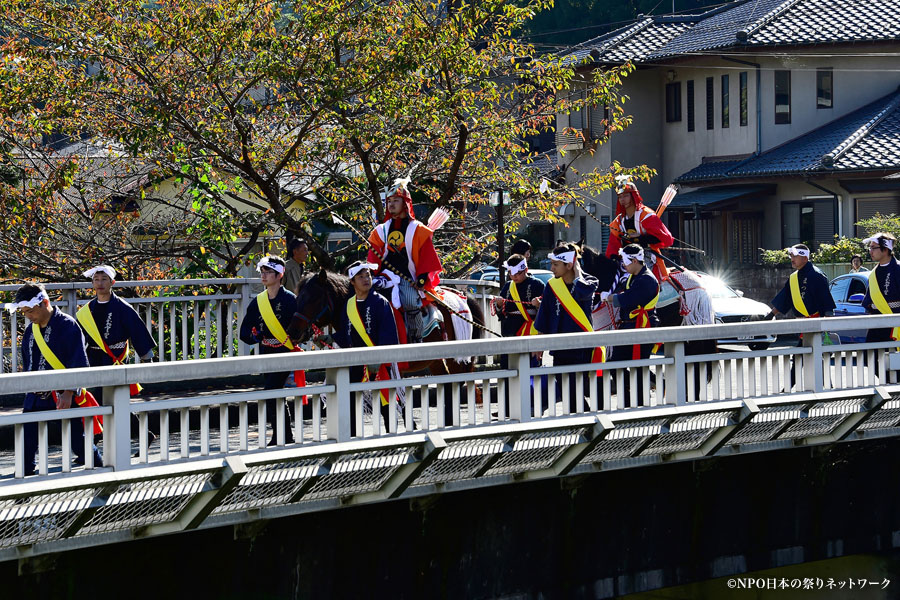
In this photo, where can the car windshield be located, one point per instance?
(718, 288)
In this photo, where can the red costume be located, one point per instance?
(647, 229)
(407, 245)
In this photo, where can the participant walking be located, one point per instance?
(805, 294)
(635, 298)
(53, 341)
(565, 307)
(365, 320)
(268, 316)
(405, 246)
(883, 295)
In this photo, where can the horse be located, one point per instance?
(320, 294)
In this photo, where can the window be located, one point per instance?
(824, 88)
(782, 97)
(744, 106)
(576, 118)
(726, 103)
(710, 121)
(690, 105)
(809, 222)
(839, 289)
(673, 102)
(858, 289)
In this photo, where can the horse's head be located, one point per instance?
(601, 267)
(317, 295)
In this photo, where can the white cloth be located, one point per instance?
(515, 269)
(798, 252)
(29, 303)
(354, 270)
(390, 281)
(566, 257)
(110, 272)
(627, 258)
(265, 262)
(889, 244)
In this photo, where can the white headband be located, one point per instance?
(889, 244)
(101, 269)
(29, 303)
(354, 270)
(798, 252)
(264, 262)
(623, 182)
(566, 257)
(627, 258)
(515, 269)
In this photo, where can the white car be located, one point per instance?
(731, 307)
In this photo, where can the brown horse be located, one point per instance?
(320, 297)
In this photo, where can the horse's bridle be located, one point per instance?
(326, 308)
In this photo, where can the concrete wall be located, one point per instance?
(598, 536)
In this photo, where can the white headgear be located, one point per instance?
(101, 269)
(623, 183)
(356, 268)
(266, 261)
(514, 269)
(798, 252)
(41, 296)
(566, 257)
(881, 241)
(628, 258)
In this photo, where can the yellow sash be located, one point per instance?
(880, 301)
(86, 318)
(561, 290)
(528, 327)
(796, 298)
(45, 349)
(81, 397)
(356, 321)
(640, 314)
(272, 324)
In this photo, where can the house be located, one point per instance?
(779, 119)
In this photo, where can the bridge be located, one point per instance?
(486, 440)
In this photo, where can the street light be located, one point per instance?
(498, 199)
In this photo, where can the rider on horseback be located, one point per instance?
(637, 224)
(406, 245)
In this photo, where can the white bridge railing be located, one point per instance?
(210, 465)
(188, 318)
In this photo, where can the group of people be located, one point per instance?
(404, 266)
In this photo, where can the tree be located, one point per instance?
(241, 109)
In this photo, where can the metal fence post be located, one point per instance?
(338, 428)
(117, 428)
(519, 387)
(71, 296)
(676, 379)
(813, 373)
(243, 349)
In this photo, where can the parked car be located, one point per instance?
(848, 292)
(492, 274)
(731, 306)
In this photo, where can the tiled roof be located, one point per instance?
(714, 195)
(866, 139)
(746, 23)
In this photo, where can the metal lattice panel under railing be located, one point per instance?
(886, 417)
(812, 426)
(269, 484)
(145, 503)
(42, 517)
(536, 451)
(461, 460)
(768, 422)
(624, 440)
(689, 432)
(844, 406)
(359, 473)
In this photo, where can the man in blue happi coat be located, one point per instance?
(278, 305)
(883, 294)
(566, 308)
(65, 344)
(806, 292)
(366, 319)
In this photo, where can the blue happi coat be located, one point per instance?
(118, 323)
(63, 336)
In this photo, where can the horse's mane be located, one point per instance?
(335, 283)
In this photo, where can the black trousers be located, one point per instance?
(573, 358)
(627, 353)
(275, 381)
